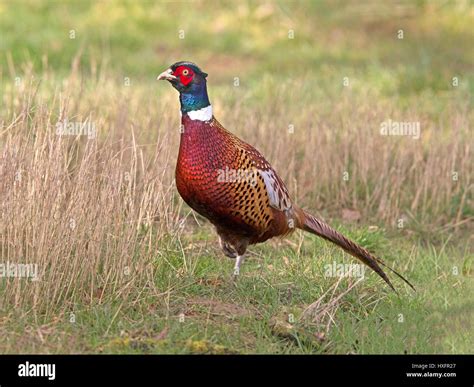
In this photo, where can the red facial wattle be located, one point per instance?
(185, 75)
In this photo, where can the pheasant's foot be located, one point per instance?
(238, 262)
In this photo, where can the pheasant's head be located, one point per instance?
(190, 81)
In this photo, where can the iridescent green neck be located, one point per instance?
(195, 98)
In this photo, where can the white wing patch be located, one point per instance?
(277, 193)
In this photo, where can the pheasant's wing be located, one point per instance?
(277, 193)
(258, 198)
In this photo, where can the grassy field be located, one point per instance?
(124, 266)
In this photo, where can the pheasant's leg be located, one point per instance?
(234, 246)
(221, 242)
(238, 262)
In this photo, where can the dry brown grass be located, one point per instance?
(83, 210)
(389, 177)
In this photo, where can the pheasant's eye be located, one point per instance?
(185, 72)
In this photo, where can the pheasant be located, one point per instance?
(231, 184)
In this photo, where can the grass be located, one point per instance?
(193, 307)
(126, 267)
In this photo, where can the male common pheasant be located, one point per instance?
(230, 183)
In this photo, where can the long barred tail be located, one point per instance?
(318, 227)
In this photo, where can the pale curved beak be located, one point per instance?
(166, 76)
